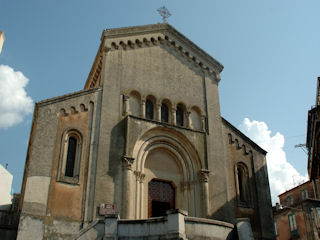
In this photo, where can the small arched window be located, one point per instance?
(149, 109)
(195, 119)
(71, 157)
(164, 113)
(134, 104)
(179, 115)
(243, 188)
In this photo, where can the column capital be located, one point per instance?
(204, 175)
(139, 176)
(126, 97)
(127, 162)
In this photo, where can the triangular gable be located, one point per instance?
(149, 35)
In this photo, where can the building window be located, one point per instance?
(70, 157)
(242, 182)
(164, 113)
(134, 107)
(304, 194)
(179, 115)
(275, 227)
(284, 203)
(293, 227)
(316, 214)
(289, 200)
(195, 119)
(149, 109)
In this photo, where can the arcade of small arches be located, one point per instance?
(163, 110)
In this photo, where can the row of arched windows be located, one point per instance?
(164, 111)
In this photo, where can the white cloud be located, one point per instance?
(14, 102)
(282, 174)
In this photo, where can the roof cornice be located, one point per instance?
(244, 137)
(170, 35)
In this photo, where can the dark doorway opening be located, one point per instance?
(161, 197)
(159, 208)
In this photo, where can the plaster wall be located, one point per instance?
(47, 202)
(259, 210)
(5, 186)
(220, 186)
(283, 227)
(161, 72)
(2, 38)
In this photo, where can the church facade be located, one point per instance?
(145, 135)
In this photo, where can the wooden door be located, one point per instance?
(161, 197)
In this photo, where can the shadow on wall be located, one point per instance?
(255, 206)
(116, 153)
(9, 219)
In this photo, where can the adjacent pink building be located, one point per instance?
(298, 214)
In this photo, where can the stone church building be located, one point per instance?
(144, 136)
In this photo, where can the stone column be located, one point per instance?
(141, 180)
(127, 202)
(139, 193)
(159, 112)
(174, 116)
(126, 105)
(143, 108)
(188, 119)
(203, 122)
(204, 178)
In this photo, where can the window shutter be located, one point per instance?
(293, 226)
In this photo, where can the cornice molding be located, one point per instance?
(68, 96)
(150, 35)
(241, 141)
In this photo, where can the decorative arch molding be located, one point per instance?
(191, 195)
(73, 110)
(169, 136)
(240, 145)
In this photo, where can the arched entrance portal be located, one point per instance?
(161, 197)
(165, 159)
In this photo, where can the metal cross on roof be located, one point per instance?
(164, 12)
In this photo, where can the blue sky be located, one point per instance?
(269, 49)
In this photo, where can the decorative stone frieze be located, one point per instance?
(240, 145)
(73, 110)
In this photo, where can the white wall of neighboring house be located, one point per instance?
(2, 38)
(5, 186)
